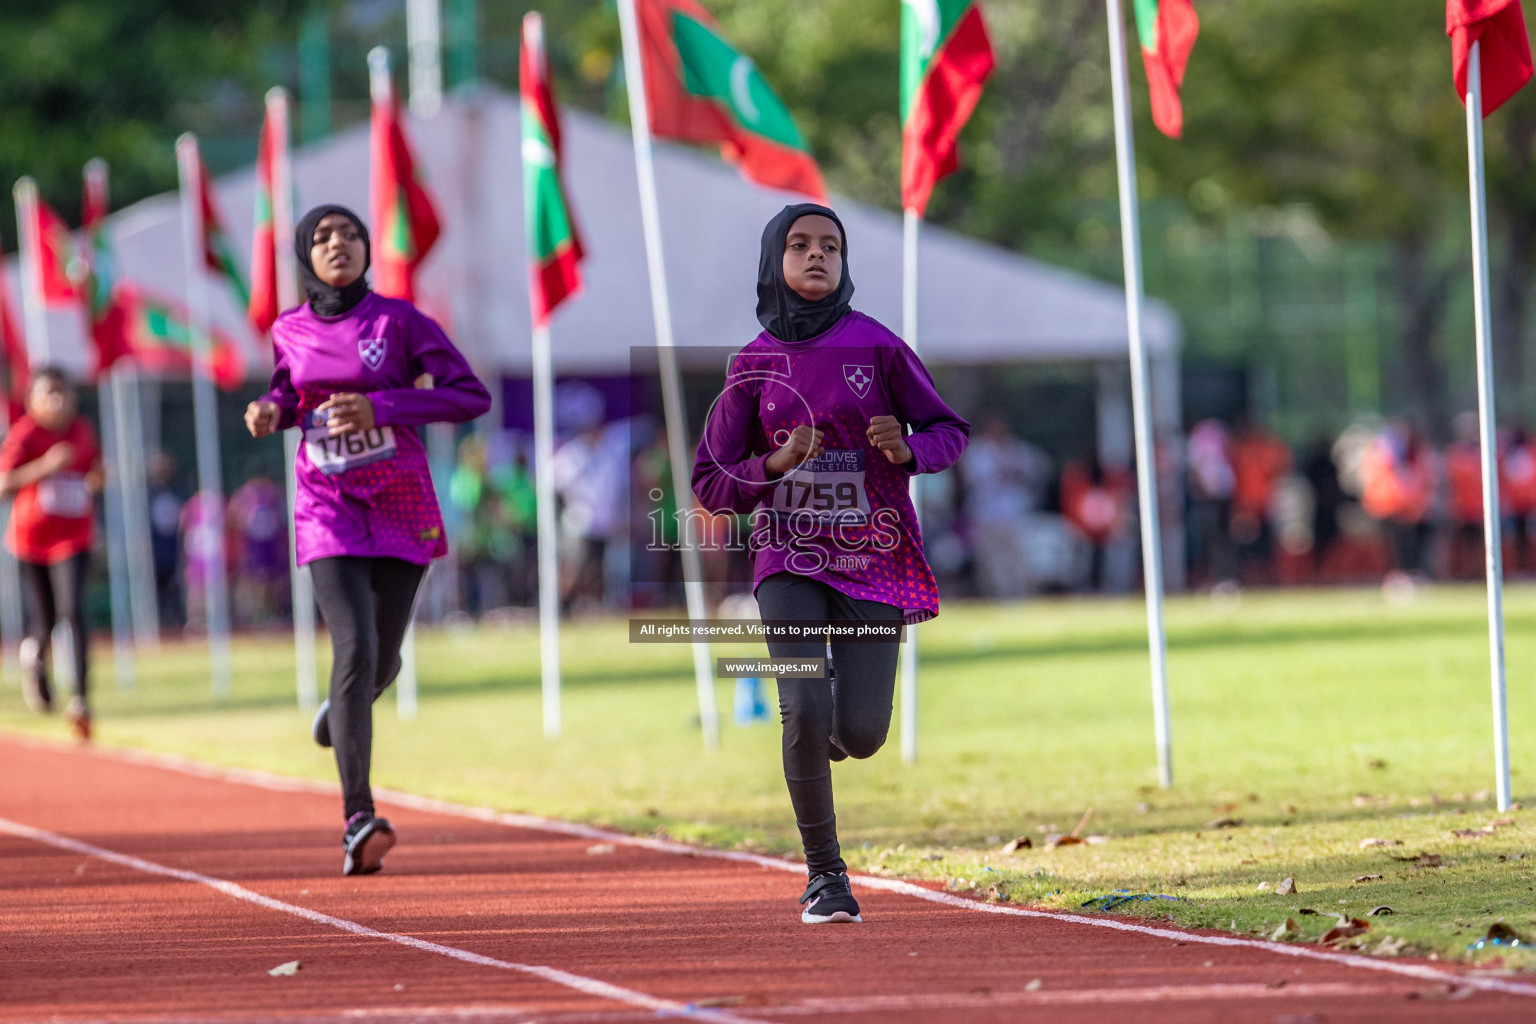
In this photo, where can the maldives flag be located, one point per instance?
(404, 219)
(700, 88)
(1506, 51)
(1167, 29)
(263, 308)
(945, 58)
(218, 253)
(57, 263)
(160, 335)
(554, 247)
(104, 308)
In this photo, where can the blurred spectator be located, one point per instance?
(258, 525)
(1520, 488)
(202, 523)
(1005, 480)
(486, 538)
(1097, 501)
(165, 539)
(1464, 485)
(1398, 478)
(1328, 499)
(1259, 460)
(591, 475)
(1212, 557)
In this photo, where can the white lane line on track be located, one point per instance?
(285, 784)
(580, 983)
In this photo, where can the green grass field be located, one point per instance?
(1313, 720)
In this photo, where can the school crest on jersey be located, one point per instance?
(373, 350)
(859, 378)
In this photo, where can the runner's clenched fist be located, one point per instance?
(804, 443)
(886, 434)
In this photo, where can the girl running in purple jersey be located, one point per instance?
(810, 437)
(366, 517)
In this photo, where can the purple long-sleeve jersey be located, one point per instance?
(845, 517)
(370, 493)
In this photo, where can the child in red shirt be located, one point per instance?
(51, 462)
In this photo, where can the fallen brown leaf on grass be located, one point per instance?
(1512, 856)
(1015, 845)
(1286, 930)
(1347, 928)
(1471, 833)
(1220, 823)
(284, 970)
(1367, 878)
(1054, 841)
(1366, 844)
(1286, 888)
(1423, 860)
(1379, 911)
(1388, 946)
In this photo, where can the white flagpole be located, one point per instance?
(205, 409)
(302, 587)
(544, 483)
(117, 557)
(381, 89)
(141, 607)
(1141, 400)
(671, 382)
(34, 311)
(911, 223)
(11, 626)
(1492, 542)
(544, 454)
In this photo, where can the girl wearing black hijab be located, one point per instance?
(824, 419)
(366, 519)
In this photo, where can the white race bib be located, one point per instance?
(332, 455)
(830, 486)
(64, 495)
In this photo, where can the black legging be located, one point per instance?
(856, 710)
(54, 592)
(366, 604)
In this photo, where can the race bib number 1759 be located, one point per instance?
(830, 486)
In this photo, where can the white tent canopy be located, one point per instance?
(979, 303)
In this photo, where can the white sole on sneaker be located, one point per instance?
(368, 858)
(836, 917)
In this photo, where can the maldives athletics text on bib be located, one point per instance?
(828, 487)
(332, 454)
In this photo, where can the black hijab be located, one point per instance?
(324, 299)
(784, 312)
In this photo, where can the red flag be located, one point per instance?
(405, 220)
(700, 88)
(13, 344)
(264, 306)
(1168, 29)
(945, 59)
(1506, 51)
(104, 307)
(57, 264)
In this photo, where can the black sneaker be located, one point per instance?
(829, 900)
(34, 677)
(366, 841)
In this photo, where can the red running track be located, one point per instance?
(132, 890)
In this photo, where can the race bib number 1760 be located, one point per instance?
(332, 455)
